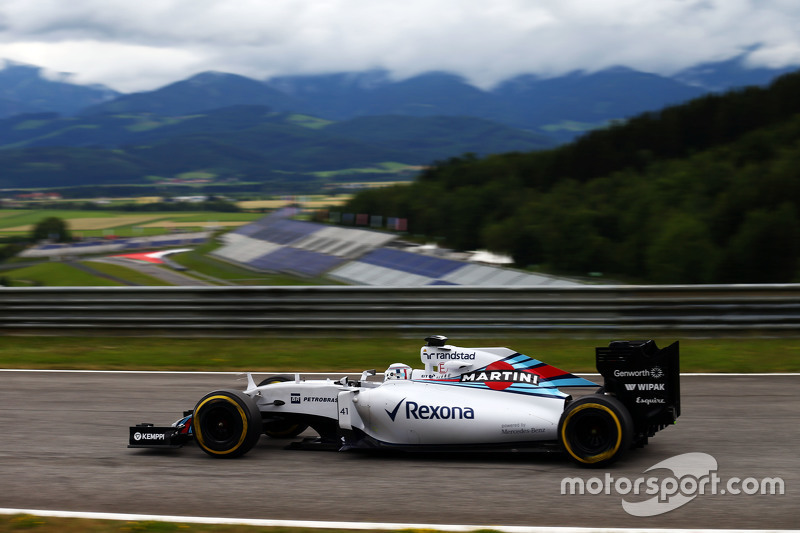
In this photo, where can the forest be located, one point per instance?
(703, 192)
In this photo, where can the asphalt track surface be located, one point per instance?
(64, 436)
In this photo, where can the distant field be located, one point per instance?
(216, 224)
(310, 202)
(120, 223)
(93, 223)
(380, 168)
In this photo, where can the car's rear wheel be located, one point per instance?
(595, 430)
(226, 423)
(281, 428)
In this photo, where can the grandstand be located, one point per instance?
(397, 268)
(275, 243)
(356, 256)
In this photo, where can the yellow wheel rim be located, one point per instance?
(199, 434)
(601, 456)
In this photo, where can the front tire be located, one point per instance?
(595, 430)
(226, 423)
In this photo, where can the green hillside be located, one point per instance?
(276, 152)
(708, 191)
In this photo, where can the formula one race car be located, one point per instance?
(464, 399)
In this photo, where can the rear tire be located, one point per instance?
(281, 429)
(226, 423)
(595, 430)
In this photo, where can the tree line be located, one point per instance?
(704, 192)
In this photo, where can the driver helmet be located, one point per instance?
(397, 371)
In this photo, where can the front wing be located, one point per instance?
(151, 436)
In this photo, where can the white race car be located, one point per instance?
(463, 399)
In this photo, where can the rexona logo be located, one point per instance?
(416, 411)
(500, 376)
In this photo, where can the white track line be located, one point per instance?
(338, 374)
(359, 525)
(188, 372)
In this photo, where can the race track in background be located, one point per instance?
(64, 436)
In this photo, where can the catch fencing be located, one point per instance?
(699, 310)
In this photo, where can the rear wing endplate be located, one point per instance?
(644, 378)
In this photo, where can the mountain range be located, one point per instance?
(25, 89)
(562, 106)
(55, 133)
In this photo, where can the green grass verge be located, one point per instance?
(25, 522)
(128, 274)
(198, 261)
(273, 354)
(54, 275)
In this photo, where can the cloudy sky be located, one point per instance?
(134, 45)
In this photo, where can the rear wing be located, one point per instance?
(645, 379)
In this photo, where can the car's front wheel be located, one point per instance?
(595, 430)
(226, 423)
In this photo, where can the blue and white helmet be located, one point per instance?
(397, 371)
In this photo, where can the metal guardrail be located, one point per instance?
(214, 311)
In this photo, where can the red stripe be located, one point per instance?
(143, 257)
(548, 372)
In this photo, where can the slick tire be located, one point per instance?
(595, 430)
(226, 423)
(281, 429)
